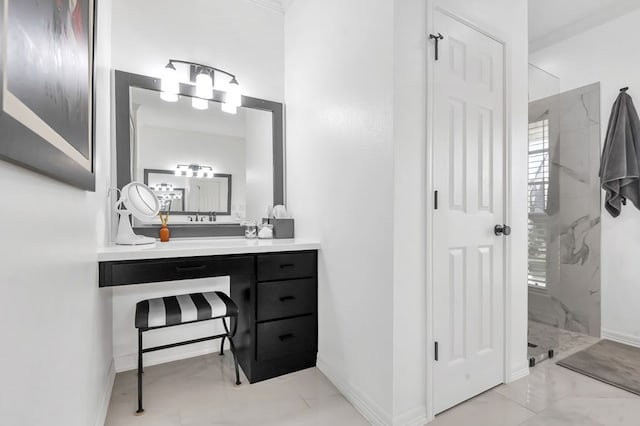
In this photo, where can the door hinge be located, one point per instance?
(435, 349)
(435, 200)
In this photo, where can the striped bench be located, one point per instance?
(170, 311)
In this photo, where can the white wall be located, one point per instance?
(339, 96)
(55, 323)
(606, 54)
(542, 84)
(409, 260)
(236, 35)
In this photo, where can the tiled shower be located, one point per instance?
(564, 220)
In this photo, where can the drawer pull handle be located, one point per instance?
(285, 298)
(285, 337)
(190, 268)
(287, 265)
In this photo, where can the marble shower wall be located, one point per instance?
(572, 299)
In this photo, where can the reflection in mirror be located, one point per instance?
(238, 147)
(191, 195)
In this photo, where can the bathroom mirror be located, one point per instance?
(216, 168)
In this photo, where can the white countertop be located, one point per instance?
(202, 247)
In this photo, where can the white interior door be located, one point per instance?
(468, 258)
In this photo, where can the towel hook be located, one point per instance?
(624, 89)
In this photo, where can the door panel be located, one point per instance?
(469, 173)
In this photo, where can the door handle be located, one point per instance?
(502, 230)
(285, 298)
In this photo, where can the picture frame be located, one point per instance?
(47, 90)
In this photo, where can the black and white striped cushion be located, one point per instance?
(173, 310)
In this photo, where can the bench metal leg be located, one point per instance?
(233, 348)
(222, 344)
(140, 409)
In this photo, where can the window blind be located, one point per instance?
(538, 191)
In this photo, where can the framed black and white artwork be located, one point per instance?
(47, 77)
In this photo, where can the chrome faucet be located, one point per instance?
(212, 216)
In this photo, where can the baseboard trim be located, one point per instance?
(518, 374)
(369, 409)
(130, 361)
(413, 417)
(627, 339)
(106, 395)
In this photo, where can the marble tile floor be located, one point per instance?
(550, 396)
(200, 391)
(561, 341)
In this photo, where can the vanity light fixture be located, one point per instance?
(194, 170)
(173, 196)
(163, 187)
(204, 82)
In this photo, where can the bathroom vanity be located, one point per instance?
(273, 282)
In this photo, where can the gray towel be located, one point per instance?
(620, 162)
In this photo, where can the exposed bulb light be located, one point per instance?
(201, 104)
(169, 86)
(205, 77)
(194, 170)
(181, 170)
(234, 93)
(204, 91)
(204, 86)
(206, 171)
(163, 187)
(229, 109)
(166, 197)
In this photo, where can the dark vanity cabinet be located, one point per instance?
(276, 294)
(286, 314)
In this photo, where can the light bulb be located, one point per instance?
(229, 109)
(180, 170)
(169, 97)
(198, 103)
(234, 93)
(204, 86)
(169, 85)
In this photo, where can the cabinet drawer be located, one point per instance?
(148, 271)
(282, 266)
(278, 299)
(287, 337)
